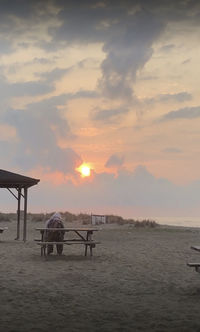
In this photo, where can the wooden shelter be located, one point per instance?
(20, 183)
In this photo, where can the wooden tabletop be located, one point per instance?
(78, 229)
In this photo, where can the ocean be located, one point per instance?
(178, 221)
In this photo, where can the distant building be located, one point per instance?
(97, 219)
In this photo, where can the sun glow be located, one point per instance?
(84, 169)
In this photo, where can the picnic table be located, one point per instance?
(83, 235)
(195, 265)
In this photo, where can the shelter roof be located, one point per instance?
(13, 180)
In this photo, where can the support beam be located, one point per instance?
(18, 214)
(25, 212)
(12, 193)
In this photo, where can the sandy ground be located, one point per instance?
(137, 280)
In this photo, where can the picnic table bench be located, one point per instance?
(195, 265)
(83, 236)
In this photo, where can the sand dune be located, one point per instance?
(137, 281)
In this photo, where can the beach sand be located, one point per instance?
(137, 280)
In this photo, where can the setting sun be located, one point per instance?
(84, 169)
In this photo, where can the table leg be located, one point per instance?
(86, 249)
(91, 249)
(89, 238)
(43, 250)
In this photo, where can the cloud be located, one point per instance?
(126, 29)
(27, 22)
(148, 77)
(8, 90)
(108, 116)
(167, 48)
(38, 127)
(5, 46)
(114, 161)
(172, 150)
(182, 113)
(43, 86)
(127, 32)
(84, 94)
(127, 51)
(54, 75)
(179, 97)
(186, 61)
(129, 191)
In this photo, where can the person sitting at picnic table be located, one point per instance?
(58, 235)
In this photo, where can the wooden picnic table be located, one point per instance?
(83, 235)
(194, 264)
(197, 248)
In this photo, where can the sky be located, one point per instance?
(113, 84)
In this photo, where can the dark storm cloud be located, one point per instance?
(127, 30)
(94, 20)
(127, 52)
(183, 113)
(19, 8)
(19, 17)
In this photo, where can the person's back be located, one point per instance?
(55, 236)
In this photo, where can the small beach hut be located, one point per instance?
(20, 183)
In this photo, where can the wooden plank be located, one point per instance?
(44, 245)
(68, 229)
(68, 242)
(193, 264)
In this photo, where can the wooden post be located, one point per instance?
(18, 214)
(25, 212)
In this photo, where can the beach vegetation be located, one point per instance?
(82, 218)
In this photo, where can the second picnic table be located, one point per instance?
(83, 236)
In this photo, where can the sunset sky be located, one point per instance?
(113, 84)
